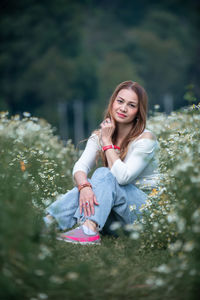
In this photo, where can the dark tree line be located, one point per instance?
(61, 59)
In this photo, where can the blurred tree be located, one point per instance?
(158, 47)
(115, 67)
(40, 43)
(56, 52)
(152, 38)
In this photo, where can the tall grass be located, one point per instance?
(162, 251)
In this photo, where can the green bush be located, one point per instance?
(35, 167)
(171, 216)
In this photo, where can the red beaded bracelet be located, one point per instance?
(81, 186)
(110, 147)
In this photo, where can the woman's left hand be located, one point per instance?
(107, 129)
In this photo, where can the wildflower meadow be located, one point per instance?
(157, 257)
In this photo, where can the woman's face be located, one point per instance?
(125, 106)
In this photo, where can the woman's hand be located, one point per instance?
(107, 129)
(87, 200)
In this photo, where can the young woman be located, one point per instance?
(128, 152)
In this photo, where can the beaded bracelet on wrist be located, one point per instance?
(83, 185)
(110, 147)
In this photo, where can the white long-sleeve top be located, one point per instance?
(139, 166)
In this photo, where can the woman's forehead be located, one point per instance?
(128, 95)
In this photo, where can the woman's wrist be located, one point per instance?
(106, 142)
(104, 148)
(84, 185)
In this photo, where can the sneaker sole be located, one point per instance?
(76, 242)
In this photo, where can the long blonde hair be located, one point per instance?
(139, 123)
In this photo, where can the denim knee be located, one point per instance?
(104, 178)
(101, 172)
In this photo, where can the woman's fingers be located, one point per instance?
(85, 209)
(106, 122)
(88, 209)
(92, 207)
(87, 201)
(95, 200)
(92, 204)
(80, 206)
(107, 127)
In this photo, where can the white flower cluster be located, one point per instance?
(43, 159)
(171, 215)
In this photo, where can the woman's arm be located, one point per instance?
(80, 177)
(87, 160)
(112, 156)
(107, 129)
(138, 158)
(86, 194)
(80, 171)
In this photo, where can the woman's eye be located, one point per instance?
(119, 101)
(131, 105)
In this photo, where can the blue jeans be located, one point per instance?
(115, 202)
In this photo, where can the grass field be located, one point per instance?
(160, 261)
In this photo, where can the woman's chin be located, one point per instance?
(121, 120)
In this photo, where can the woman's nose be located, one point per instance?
(123, 107)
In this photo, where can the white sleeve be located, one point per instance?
(88, 157)
(141, 152)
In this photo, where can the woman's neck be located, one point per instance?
(122, 131)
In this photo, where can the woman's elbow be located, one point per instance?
(124, 177)
(123, 180)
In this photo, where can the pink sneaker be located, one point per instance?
(78, 236)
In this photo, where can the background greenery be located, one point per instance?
(60, 60)
(54, 54)
(157, 258)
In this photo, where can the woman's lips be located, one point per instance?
(121, 115)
